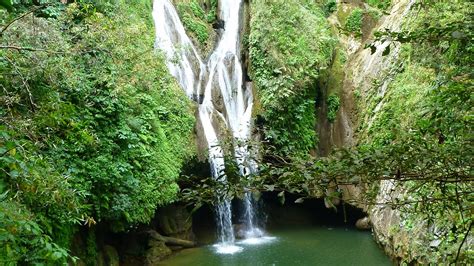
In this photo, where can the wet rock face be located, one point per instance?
(239, 230)
(175, 221)
(353, 121)
(219, 24)
(172, 221)
(217, 99)
(174, 36)
(229, 62)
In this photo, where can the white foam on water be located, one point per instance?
(254, 233)
(258, 240)
(227, 248)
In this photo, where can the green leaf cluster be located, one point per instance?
(23, 239)
(380, 4)
(198, 17)
(333, 103)
(330, 7)
(354, 21)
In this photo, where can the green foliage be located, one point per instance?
(285, 57)
(211, 16)
(333, 103)
(375, 14)
(27, 175)
(354, 21)
(330, 7)
(93, 126)
(380, 4)
(22, 239)
(91, 247)
(198, 21)
(198, 28)
(51, 11)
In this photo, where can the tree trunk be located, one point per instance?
(171, 240)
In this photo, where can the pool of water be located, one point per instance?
(300, 245)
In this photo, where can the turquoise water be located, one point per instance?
(293, 246)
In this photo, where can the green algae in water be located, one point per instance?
(294, 246)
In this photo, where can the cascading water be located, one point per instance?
(222, 76)
(180, 52)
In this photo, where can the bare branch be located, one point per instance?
(20, 48)
(462, 243)
(20, 17)
(25, 83)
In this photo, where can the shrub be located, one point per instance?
(354, 21)
(198, 21)
(380, 4)
(330, 7)
(333, 103)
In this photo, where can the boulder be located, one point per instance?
(363, 224)
(156, 252)
(239, 231)
(175, 221)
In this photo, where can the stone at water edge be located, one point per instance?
(157, 251)
(175, 221)
(240, 231)
(363, 224)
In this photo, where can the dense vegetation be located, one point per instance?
(290, 41)
(354, 21)
(93, 127)
(382, 4)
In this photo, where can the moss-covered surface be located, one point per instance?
(380, 4)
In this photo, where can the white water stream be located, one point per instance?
(221, 76)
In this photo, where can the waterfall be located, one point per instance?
(222, 77)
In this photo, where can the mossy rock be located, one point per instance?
(157, 251)
(111, 256)
(174, 220)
